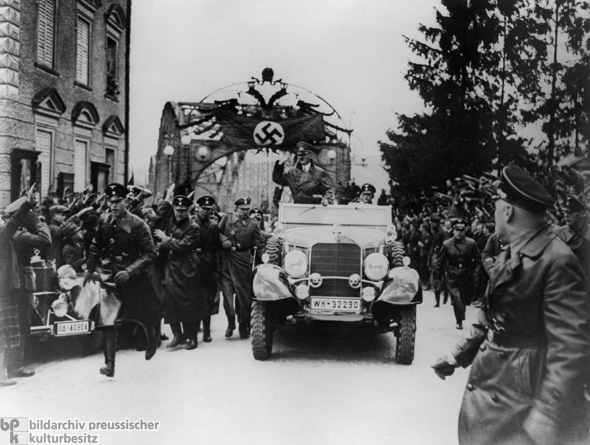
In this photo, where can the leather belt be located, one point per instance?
(515, 341)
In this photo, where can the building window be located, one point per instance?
(110, 160)
(115, 25)
(83, 31)
(44, 142)
(80, 165)
(46, 32)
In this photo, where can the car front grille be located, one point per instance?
(340, 260)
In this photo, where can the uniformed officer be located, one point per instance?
(530, 348)
(305, 179)
(239, 236)
(32, 236)
(208, 259)
(458, 258)
(123, 246)
(183, 303)
(366, 195)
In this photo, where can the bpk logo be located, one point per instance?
(17, 429)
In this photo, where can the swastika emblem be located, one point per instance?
(268, 133)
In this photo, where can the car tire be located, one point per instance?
(396, 254)
(274, 248)
(406, 336)
(261, 332)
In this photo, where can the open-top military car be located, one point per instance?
(335, 264)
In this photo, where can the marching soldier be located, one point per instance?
(183, 303)
(458, 257)
(239, 235)
(529, 350)
(207, 259)
(124, 246)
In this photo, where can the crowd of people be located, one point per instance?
(503, 244)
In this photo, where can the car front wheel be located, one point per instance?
(261, 331)
(406, 336)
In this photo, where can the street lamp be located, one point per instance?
(169, 151)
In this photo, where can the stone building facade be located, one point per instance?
(64, 102)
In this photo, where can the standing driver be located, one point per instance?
(305, 178)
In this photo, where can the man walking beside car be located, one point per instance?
(239, 236)
(530, 348)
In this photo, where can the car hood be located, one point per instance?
(306, 236)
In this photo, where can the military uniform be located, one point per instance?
(238, 237)
(304, 182)
(459, 259)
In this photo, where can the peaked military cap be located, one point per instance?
(459, 223)
(519, 188)
(14, 206)
(256, 211)
(116, 192)
(368, 188)
(206, 201)
(181, 202)
(305, 147)
(575, 204)
(244, 200)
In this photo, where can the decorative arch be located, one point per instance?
(85, 113)
(115, 17)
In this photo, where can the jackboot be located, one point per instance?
(231, 326)
(177, 337)
(207, 329)
(15, 361)
(152, 334)
(110, 349)
(437, 298)
(192, 330)
(244, 329)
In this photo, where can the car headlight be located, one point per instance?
(296, 263)
(376, 266)
(60, 308)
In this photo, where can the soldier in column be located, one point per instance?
(207, 257)
(240, 239)
(33, 235)
(184, 305)
(124, 246)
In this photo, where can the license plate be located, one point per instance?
(71, 327)
(335, 304)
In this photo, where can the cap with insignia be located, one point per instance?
(519, 188)
(368, 188)
(206, 202)
(14, 206)
(243, 201)
(575, 204)
(116, 192)
(256, 211)
(58, 208)
(181, 202)
(459, 224)
(304, 147)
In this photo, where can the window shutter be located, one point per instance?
(80, 166)
(83, 56)
(45, 32)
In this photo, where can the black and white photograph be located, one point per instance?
(295, 222)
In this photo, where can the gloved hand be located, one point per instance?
(87, 278)
(226, 244)
(445, 366)
(122, 277)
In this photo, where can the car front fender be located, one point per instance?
(271, 284)
(396, 292)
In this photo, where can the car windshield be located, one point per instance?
(360, 215)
